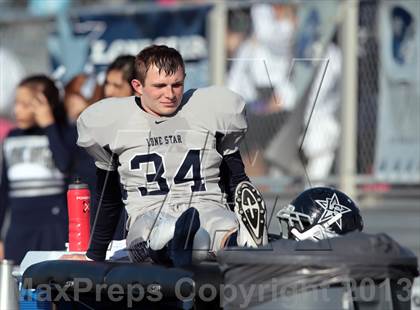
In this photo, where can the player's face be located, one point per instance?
(161, 94)
(24, 113)
(116, 86)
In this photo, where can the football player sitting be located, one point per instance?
(171, 159)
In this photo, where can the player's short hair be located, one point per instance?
(42, 83)
(163, 57)
(125, 64)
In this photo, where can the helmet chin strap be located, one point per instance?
(317, 232)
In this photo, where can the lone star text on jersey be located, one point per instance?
(161, 140)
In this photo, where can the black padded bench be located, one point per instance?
(113, 285)
(356, 271)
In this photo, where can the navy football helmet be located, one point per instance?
(319, 213)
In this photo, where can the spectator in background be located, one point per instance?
(263, 61)
(37, 160)
(323, 133)
(5, 126)
(238, 29)
(260, 73)
(82, 91)
(118, 77)
(8, 82)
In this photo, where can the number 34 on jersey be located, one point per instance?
(189, 171)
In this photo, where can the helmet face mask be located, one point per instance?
(289, 218)
(319, 213)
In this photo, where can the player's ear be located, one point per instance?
(137, 86)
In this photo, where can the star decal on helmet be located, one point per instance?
(331, 208)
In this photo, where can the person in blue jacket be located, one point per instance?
(37, 157)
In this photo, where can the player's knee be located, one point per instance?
(162, 233)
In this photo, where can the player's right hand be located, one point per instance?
(75, 257)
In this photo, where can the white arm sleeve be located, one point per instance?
(233, 125)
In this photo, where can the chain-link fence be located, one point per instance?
(260, 54)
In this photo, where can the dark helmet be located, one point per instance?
(319, 213)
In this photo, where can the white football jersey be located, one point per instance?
(162, 160)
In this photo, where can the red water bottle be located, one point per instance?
(78, 202)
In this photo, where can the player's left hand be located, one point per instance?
(1, 250)
(42, 110)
